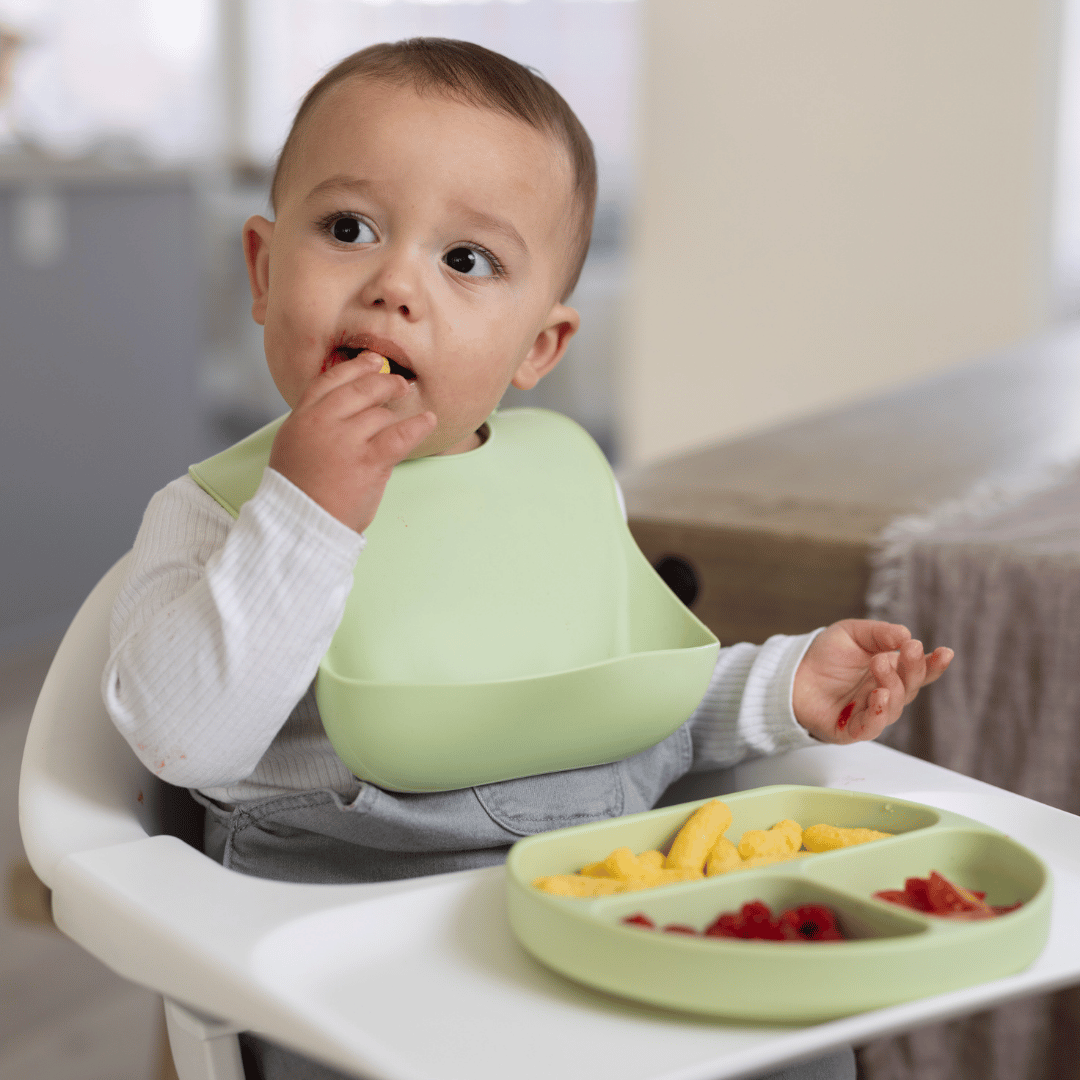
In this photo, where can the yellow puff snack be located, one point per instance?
(576, 885)
(385, 369)
(651, 879)
(651, 860)
(784, 838)
(622, 864)
(722, 857)
(695, 839)
(595, 869)
(830, 837)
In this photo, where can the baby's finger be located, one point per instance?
(885, 670)
(397, 440)
(348, 371)
(880, 711)
(911, 668)
(937, 663)
(356, 397)
(876, 637)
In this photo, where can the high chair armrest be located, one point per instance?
(165, 916)
(80, 786)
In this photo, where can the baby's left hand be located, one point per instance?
(857, 676)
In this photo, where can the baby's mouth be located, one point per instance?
(395, 368)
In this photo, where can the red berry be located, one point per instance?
(756, 922)
(810, 922)
(724, 926)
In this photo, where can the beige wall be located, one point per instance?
(835, 197)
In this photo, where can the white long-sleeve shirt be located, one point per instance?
(220, 624)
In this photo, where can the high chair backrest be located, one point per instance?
(81, 786)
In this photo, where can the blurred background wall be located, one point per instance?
(799, 204)
(838, 197)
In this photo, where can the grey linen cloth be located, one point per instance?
(995, 576)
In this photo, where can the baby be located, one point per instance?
(432, 210)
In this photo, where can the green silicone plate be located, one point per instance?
(893, 954)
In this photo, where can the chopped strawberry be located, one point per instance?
(918, 894)
(893, 896)
(936, 895)
(947, 898)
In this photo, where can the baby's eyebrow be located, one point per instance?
(340, 183)
(479, 219)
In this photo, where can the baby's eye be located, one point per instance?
(469, 261)
(350, 230)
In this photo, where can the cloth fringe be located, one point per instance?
(887, 594)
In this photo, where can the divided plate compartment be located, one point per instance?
(893, 954)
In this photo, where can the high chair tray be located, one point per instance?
(893, 954)
(424, 979)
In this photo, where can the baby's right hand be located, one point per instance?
(340, 443)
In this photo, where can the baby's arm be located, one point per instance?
(842, 684)
(219, 626)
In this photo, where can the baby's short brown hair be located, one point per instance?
(469, 73)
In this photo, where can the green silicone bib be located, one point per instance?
(502, 620)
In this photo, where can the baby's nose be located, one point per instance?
(403, 308)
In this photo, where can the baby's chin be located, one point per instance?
(444, 444)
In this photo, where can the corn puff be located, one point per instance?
(723, 856)
(622, 864)
(595, 869)
(829, 837)
(578, 886)
(651, 879)
(696, 838)
(784, 838)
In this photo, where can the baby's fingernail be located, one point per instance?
(372, 357)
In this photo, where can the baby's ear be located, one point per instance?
(560, 326)
(257, 234)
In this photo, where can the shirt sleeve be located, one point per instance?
(219, 626)
(747, 710)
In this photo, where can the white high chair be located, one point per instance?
(82, 791)
(415, 979)
(104, 835)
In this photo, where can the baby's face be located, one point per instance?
(431, 232)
